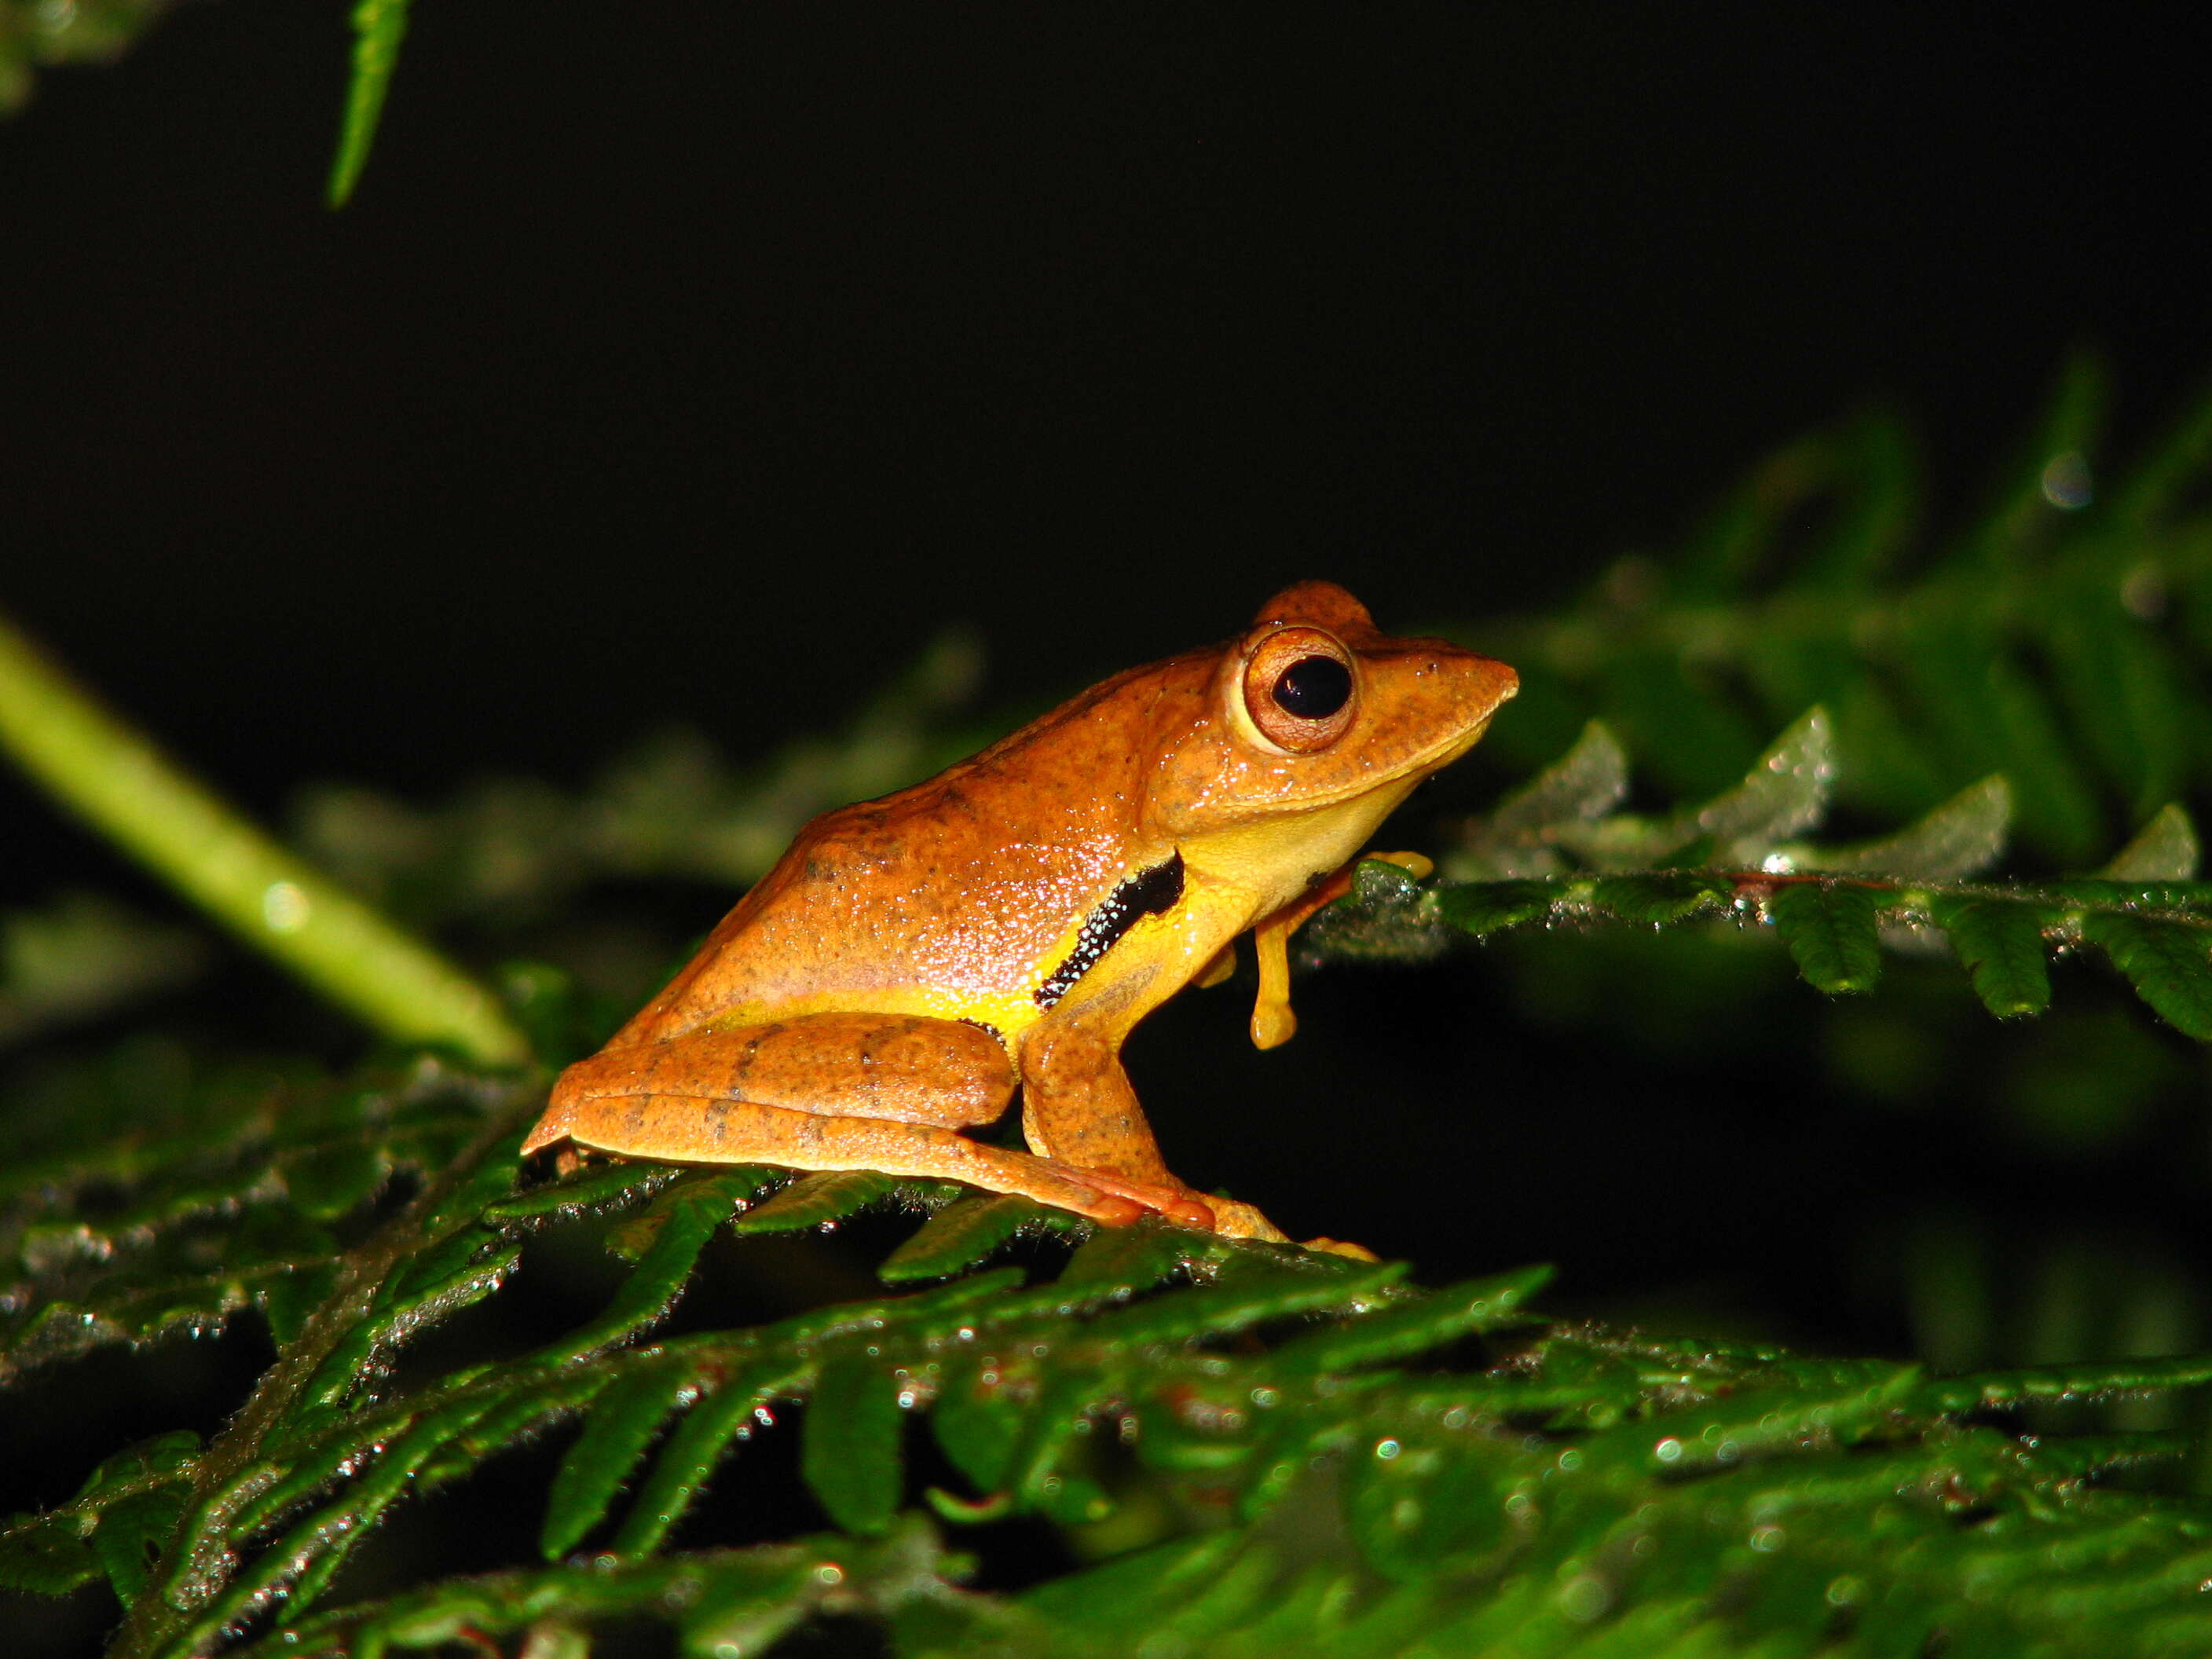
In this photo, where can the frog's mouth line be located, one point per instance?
(1452, 750)
(1421, 765)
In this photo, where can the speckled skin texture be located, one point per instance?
(881, 986)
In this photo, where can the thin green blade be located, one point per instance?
(963, 1236)
(2000, 942)
(849, 1448)
(1661, 896)
(620, 1425)
(1485, 906)
(817, 1200)
(1831, 930)
(378, 26)
(2167, 962)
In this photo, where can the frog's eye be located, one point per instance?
(1314, 688)
(1299, 688)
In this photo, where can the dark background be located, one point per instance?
(701, 361)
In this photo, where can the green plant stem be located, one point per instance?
(117, 780)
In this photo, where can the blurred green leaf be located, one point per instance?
(964, 1234)
(2001, 943)
(1481, 908)
(1962, 837)
(2164, 849)
(1661, 896)
(849, 1448)
(1829, 928)
(379, 26)
(2169, 963)
(818, 1201)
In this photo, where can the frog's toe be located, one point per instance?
(1341, 1247)
(1113, 1202)
(1191, 1213)
(1233, 1220)
(1108, 1211)
(1175, 1203)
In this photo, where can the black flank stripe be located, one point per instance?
(1147, 893)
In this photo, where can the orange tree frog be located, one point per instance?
(912, 960)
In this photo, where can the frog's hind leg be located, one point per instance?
(830, 1091)
(685, 1129)
(906, 1067)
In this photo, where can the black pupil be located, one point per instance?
(1314, 688)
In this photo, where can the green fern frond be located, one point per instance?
(2060, 642)
(1559, 852)
(231, 1202)
(734, 1602)
(1343, 1485)
(966, 1233)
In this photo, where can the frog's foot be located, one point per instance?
(1177, 1203)
(1226, 1216)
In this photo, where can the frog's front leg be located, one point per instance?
(1273, 1022)
(827, 1091)
(1078, 1109)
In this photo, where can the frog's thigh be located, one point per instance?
(654, 1101)
(897, 1067)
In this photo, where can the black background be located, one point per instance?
(700, 361)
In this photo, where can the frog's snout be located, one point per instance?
(1478, 683)
(1504, 685)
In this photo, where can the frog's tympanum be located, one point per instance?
(913, 960)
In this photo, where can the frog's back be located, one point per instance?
(944, 897)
